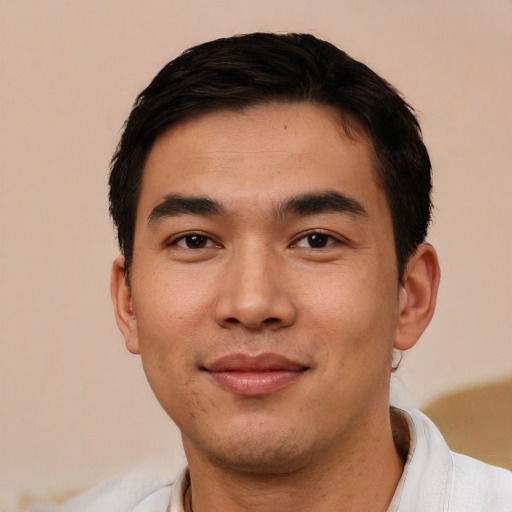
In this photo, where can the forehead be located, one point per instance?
(260, 151)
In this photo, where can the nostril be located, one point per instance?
(268, 321)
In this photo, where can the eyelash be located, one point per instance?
(324, 239)
(330, 239)
(208, 240)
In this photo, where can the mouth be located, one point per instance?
(247, 375)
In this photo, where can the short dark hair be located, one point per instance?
(240, 71)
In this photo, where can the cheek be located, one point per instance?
(169, 324)
(355, 314)
(171, 327)
(172, 305)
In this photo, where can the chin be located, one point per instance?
(278, 460)
(265, 452)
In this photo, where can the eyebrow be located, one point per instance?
(312, 203)
(174, 205)
(329, 201)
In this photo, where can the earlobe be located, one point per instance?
(417, 296)
(123, 307)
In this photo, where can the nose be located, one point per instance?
(255, 292)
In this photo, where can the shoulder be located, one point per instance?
(457, 482)
(138, 491)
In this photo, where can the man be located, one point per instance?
(272, 199)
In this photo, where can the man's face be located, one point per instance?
(264, 285)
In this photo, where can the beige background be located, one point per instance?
(75, 406)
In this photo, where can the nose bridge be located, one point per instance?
(255, 292)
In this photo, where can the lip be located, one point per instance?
(248, 375)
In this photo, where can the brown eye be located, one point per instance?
(318, 240)
(194, 241)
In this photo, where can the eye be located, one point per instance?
(316, 241)
(194, 241)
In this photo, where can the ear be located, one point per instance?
(122, 300)
(418, 295)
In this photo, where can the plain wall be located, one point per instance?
(75, 405)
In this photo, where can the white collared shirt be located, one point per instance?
(435, 479)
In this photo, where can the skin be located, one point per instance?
(257, 283)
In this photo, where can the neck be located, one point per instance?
(360, 474)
